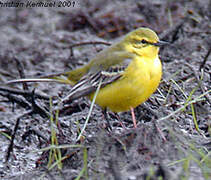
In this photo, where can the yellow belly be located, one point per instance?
(139, 81)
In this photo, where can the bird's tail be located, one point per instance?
(58, 77)
(70, 77)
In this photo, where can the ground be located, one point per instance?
(172, 138)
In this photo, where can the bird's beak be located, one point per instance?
(161, 43)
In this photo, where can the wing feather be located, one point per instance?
(89, 83)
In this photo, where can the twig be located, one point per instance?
(159, 131)
(205, 59)
(34, 109)
(21, 72)
(17, 100)
(23, 93)
(90, 21)
(199, 82)
(173, 30)
(38, 109)
(29, 96)
(10, 147)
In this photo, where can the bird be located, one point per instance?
(130, 71)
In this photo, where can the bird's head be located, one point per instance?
(143, 42)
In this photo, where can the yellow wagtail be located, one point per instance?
(130, 71)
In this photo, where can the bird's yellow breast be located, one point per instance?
(139, 81)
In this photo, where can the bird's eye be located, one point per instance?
(143, 41)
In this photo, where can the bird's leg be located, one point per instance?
(119, 119)
(133, 117)
(106, 117)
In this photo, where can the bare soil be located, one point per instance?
(167, 143)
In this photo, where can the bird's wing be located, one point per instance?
(89, 83)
